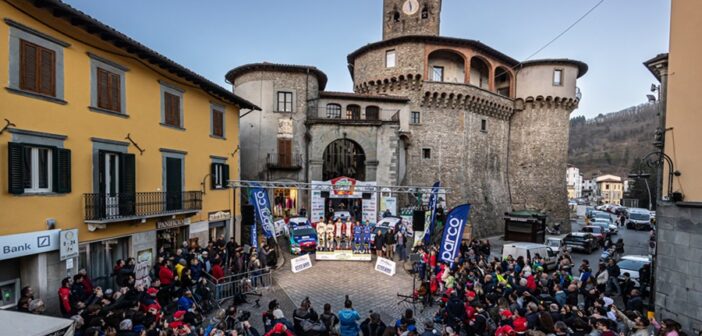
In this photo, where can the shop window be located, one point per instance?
(284, 202)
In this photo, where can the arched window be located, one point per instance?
(353, 112)
(372, 113)
(425, 12)
(344, 157)
(333, 111)
(446, 66)
(503, 82)
(479, 73)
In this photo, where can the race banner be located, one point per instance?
(453, 233)
(433, 202)
(259, 197)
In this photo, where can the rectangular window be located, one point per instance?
(37, 69)
(558, 77)
(217, 123)
(171, 109)
(37, 172)
(437, 74)
(426, 153)
(220, 175)
(109, 87)
(415, 118)
(285, 101)
(390, 58)
(483, 125)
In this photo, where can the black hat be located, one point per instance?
(273, 305)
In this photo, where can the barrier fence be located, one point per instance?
(242, 284)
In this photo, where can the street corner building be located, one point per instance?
(109, 149)
(424, 108)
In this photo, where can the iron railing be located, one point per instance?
(249, 283)
(277, 161)
(106, 207)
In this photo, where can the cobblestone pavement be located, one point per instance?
(330, 281)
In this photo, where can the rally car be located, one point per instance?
(303, 239)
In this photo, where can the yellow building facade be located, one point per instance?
(108, 148)
(611, 189)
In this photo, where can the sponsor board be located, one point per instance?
(343, 255)
(301, 263)
(385, 266)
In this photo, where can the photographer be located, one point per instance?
(304, 313)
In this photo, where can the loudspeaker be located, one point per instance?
(325, 194)
(418, 217)
(247, 215)
(367, 195)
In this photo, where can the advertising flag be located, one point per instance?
(259, 197)
(453, 233)
(433, 202)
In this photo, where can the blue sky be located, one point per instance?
(213, 36)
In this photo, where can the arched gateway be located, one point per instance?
(344, 157)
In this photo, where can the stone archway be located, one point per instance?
(344, 157)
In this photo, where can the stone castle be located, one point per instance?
(424, 108)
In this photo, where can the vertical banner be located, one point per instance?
(433, 201)
(259, 197)
(453, 233)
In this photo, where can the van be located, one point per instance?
(530, 250)
(639, 219)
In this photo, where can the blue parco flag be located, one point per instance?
(259, 197)
(453, 233)
(433, 204)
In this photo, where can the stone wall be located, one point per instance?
(679, 265)
(538, 158)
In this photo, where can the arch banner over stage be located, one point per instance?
(319, 198)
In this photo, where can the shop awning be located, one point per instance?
(35, 325)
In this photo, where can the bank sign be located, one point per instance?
(24, 244)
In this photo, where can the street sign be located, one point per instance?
(68, 244)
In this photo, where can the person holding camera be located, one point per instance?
(302, 314)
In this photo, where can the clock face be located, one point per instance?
(410, 7)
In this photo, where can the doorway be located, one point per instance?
(174, 183)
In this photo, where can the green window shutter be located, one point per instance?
(127, 185)
(213, 175)
(62, 170)
(15, 169)
(225, 175)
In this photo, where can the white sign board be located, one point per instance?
(24, 244)
(69, 244)
(385, 266)
(301, 263)
(389, 203)
(69, 264)
(141, 273)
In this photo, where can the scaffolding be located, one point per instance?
(330, 188)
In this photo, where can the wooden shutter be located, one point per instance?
(218, 123)
(28, 66)
(62, 170)
(102, 89)
(284, 152)
(115, 92)
(225, 175)
(15, 169)
(127, 185)
(172, 109)
(109, 90)
(47, 70)
(213, 175)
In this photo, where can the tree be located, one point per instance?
(639, 190)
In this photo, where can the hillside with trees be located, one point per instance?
(612, 143)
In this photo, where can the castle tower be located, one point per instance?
(538, 148)
(411, 17)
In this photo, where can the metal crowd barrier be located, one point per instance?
(231, 286)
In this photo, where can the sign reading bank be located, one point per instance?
(24, 244)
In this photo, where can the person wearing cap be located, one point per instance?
(177, 322)
(505, 318)
(125, 328)
(348, 318)
(279, 318)
(279, 329)
(267, 316)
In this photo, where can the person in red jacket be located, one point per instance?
(165, 274)
(279, 330)
(64, 294)
(217, 271)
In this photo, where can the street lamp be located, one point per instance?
(644, 176)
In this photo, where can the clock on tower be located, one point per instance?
(411, 17)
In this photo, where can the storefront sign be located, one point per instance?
(385, 266)
(301, 263)
(24, 244)
(343, 186)
(220, 216)
(69, 244)
(172, 223)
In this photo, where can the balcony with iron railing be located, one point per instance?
(101, 208)
(278, 161)
(333, 114)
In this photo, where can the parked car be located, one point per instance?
(556, 244)
(609, 228)
(387, 223)
(639, 219)
(596, 231)
(603, 215)
(581, 241)
(298, 221)
(632, 264)
(530, 250)
(303, 239)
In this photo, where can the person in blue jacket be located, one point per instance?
(366, 238)
(348, 319)
(357, 235)
(186, 301)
